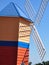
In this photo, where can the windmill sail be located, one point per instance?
(31, 13)
(38, 42)
(41, 11)
(29, 9)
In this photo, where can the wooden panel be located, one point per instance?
(9, 27)
(24, 28)
(24, 40)
(23, 55)
(24, 32)
(8, 55)
(21, 24)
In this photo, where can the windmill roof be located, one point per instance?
(12, 11)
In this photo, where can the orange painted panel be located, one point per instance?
(23, 55)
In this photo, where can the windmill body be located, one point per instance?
(14, 40)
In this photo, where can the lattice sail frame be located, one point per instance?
(31, 12)
(29, 9)
(41, 11)
(37, 40)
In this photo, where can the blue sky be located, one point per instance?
(43, 28)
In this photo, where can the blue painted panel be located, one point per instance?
(23, 44)
(14, 43)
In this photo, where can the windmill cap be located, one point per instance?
(12, 10)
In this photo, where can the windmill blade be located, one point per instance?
(29, 9)
(38, 42)
(31, 12)
(41, 11)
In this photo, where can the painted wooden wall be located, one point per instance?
(14, 40)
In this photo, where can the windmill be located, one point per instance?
(15, 30)
(35, 34)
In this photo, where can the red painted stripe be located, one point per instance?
(7, 55)
(12, 55)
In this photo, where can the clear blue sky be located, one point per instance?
(43, 28)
